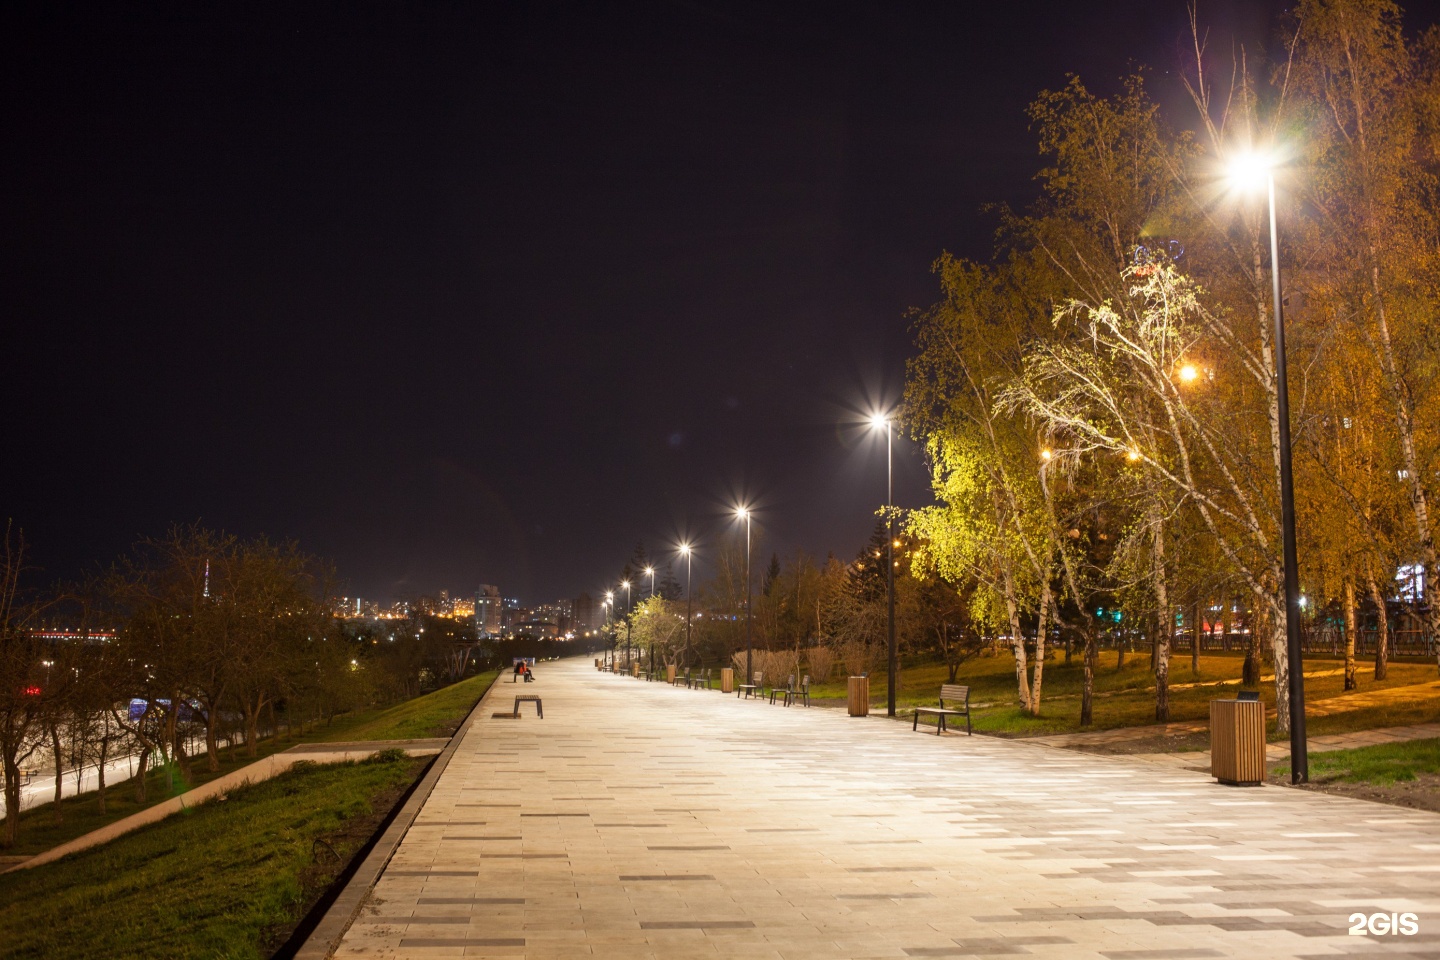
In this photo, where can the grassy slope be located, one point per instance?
(213, 882)
(434, 714)
(1126, 697)
(1383, 764)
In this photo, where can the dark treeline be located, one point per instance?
(196, 637)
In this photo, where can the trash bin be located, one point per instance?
(635, 668)
(859, 696)
(1237, 742)
(670, 673)
(727, 680)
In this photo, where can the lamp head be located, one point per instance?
(742, 513)
(1250, 170)
(1046, 454)
(685, 549)
(625, 584)
(649, 571)
(1189, 372)
(879, 421)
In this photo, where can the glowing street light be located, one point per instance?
(881, 421)
(1189, 372)
(650, 572)
(1254, 170)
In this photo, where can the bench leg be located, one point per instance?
(915, 724)
(967, 723)
(940, 727)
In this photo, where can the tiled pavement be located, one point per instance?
(639, 820)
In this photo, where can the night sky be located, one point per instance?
(476, 292)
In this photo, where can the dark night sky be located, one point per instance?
(461, 293)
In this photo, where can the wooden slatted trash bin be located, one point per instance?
(670, 673)
(1237, 742)
(859, 696)
(727, 680)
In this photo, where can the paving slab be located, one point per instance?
(644, 820)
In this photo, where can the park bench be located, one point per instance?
(954, 693)
(530, 698)
(785, 691)
(752, 688)
(701, 680)
(682, 678)
(801, 693)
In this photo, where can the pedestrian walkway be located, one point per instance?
(649, 821)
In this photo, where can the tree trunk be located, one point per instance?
(252, 727)
(1017, 642)
(59, 771)
(1382, 628)
(12, 799)
(104, 755)
(1087, 685)
(1258, 625)
(1349, 634)
(1041, 628)
(1195, 639)
(1282, 670)
(1162, 604)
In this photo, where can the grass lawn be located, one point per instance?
(226, 879)
(1125, 697)
(1386, 763)
(431, 715)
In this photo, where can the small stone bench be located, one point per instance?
(530, 698)
(954, 693)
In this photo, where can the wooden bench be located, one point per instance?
(954, 693)
(530, 698)
(785, 691)
(753, 688)
(801, 693)
(700, 680)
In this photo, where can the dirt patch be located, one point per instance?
(1422, 793)
(1177, 743)
(333, 853)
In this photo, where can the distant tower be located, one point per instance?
(207, 578)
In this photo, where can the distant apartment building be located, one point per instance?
(560, 613)
(587, 614)
(488, 610)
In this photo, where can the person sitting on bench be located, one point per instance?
(527, 672)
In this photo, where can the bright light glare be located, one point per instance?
(685, 548)
(1250, 170)
(625, 584)
(742, 512)
(1045, 454)
(1189, 372)
(1132, 455)
(879, 421)
(649, 571)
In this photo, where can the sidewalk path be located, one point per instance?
(639, 820)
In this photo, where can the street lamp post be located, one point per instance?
(610, 647)
(892, 653)
(628, 653)
(744, 514)
(685, 549)
(1251, 169)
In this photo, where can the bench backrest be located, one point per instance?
(953, 692)
(759, 676)
(805, 682)
(790, 682)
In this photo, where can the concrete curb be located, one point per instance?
(260, 770)
(342, 912)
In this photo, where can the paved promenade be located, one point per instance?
(639, 820)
